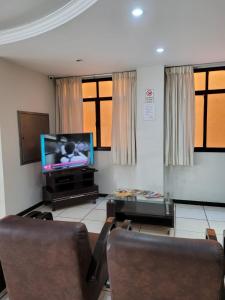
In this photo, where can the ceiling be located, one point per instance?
(16, 13)
(108, 38)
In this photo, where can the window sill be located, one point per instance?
(102, 148)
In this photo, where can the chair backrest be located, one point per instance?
(151, 267)
(44, 260)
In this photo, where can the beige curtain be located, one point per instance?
(124, 118)
(69, 106)
(179, 116)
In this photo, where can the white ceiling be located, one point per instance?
(108, 38)
(19, 12)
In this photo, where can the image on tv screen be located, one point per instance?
(63, 151)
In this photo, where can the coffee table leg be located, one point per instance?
(111, 209)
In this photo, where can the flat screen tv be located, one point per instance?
(64, 151)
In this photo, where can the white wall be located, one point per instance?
(21, 89)
(205, 181)
(149, 171)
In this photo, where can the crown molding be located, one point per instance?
(57, 18)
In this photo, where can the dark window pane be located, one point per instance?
(106, 123)
(216, 121)
(89, 121)
(105, 88)
(199, 117)
(89, 90)
(217, 80)
(200, 81)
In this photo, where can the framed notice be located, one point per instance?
(149, 105)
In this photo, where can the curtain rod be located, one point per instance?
(204, 65)
(82, 76)
(86, 76)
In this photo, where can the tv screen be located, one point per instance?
(63, 151)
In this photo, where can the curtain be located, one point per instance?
(124, 118)
(179, 116)
(69, 106)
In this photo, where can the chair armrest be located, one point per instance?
(99, 254)
(210, 234)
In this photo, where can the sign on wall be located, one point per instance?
(149, 105)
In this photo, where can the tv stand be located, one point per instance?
(69, 187)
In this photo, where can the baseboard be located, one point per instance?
(102, 195)
(26, 211)
(205, 203)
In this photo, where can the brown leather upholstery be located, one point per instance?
(45, 260)
(149, 267)
(93, 237)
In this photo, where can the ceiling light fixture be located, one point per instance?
(79, 60)
(160, 50)
(137, 12)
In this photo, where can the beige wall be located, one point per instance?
(2, 189)
(21, 89)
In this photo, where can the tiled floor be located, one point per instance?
(191, 221)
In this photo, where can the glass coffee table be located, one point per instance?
(138, 208)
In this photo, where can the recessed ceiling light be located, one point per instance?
(137, 12)
(79, 60)
(160, 50)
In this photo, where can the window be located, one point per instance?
(97, 111)
(210, 109)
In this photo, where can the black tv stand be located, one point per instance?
(69, 187)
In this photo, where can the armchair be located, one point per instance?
(149, 267)
(50, 260)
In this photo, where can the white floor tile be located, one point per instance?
(75, 212)
(136, 227)
(105, 296)
(190, 211)
(59, 218)
(191, 225)
(93, 226)
(154, 229)
(215, 213)
(218, 226)
(189, 234)
(5, 297)
(172, 232)
(88, 205)
(220, 239)
(96, 215)
(102, 205)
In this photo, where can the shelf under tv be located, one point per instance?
(70, 187)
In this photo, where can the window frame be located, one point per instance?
(205, 94)
(97, 101)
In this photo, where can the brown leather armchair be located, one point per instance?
(46, 260)
(148, 267)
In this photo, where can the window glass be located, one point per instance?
(200, 81)
(89, 120)
(105, 88)
(89, 90)
(216, 121)
(199, 117)
(106, 123)
(217, 79)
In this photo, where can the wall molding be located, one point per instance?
(57, 18)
